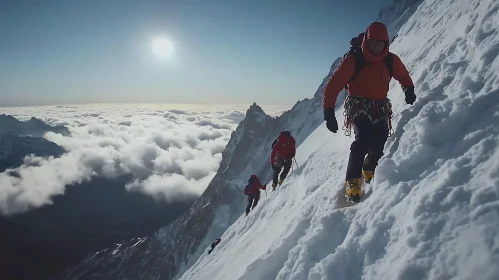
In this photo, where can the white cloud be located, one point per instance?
(33, 186)
(172, 152)
(170, 187)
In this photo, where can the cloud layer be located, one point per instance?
(171, 152)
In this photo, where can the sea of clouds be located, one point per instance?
(171, 152)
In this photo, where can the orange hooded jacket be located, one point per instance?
(373, 80)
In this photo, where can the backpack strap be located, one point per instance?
(389, 64)
(359, 63)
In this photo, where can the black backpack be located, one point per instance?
(356, 51)
(285, 133)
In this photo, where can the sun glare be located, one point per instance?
(162, 47)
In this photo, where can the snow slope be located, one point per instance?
(397, 14)
(432, 211)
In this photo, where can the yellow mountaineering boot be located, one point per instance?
(281, 181)
(274, 186)
(353, 189)
(368, 176)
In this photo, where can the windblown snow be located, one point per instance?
(432, 211)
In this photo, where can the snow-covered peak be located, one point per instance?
(255, 108)
(256, 113)
(19, 139)
(14, 148)
(33, 127)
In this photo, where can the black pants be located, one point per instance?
(212, 247)
(370, 139)
(252, 200)
(277, 169)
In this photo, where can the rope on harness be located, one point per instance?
(376, 110)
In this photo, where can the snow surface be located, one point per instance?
(432, 211)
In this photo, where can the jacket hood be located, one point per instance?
(376, 31)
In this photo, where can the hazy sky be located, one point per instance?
(225, 51)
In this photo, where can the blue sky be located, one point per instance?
(226, 51)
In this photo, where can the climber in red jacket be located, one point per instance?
(366, 72)
(281, 157)
(252, 190)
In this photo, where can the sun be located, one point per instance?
(162, 47)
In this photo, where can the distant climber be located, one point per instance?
(252, 190)
(367, 72)
(281, 157)
(214, 244)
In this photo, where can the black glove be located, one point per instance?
(410, 97)
(330, 119)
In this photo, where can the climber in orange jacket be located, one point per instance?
(366, 73)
